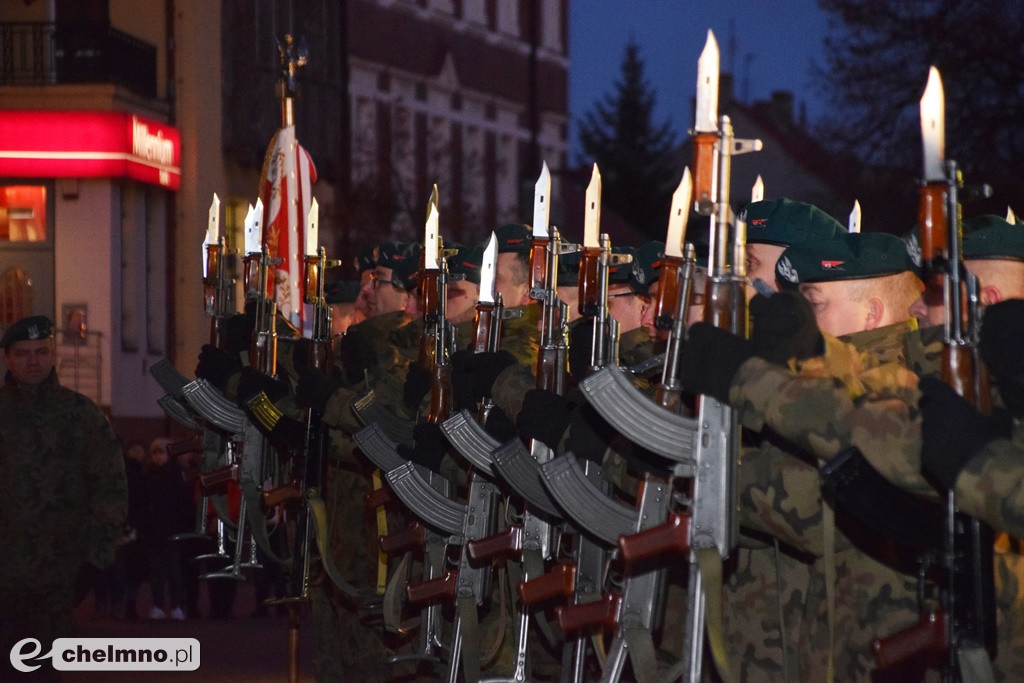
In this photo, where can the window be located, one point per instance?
(23, 213)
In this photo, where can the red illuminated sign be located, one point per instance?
(61, 144)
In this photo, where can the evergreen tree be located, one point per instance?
(638, 160)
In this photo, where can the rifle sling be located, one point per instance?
(220, 506)
(382, 530)
(316, 508)
(640, 648)
(533, 566)
(709, 564)
(975, 664)
(470, 627)
(257, 520)
(392, 605)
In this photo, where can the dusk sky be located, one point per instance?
(782, 38)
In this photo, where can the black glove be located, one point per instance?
(499, 426)
(544, 416)
(217, 365)
(417, 384)
(581, 341)
(314, 389)
(356, 353)
(710, 359)
(952, 431)
(589, 434)
(485, 368)
(430, 446)
(252, 382)
(462, 380)
(1002, 329)
(784, 328)
(288, 432)
(238, 330)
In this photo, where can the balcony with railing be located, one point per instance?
(47, 53)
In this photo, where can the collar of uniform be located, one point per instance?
(384, 323)
(47, 385)
(884, 344)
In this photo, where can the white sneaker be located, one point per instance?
(177, 614)
(157, 613)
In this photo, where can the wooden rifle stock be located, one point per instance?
(930, 635)
(412, 537)
(280, 495)
(560, 582)
(603, 613)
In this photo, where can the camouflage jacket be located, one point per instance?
(63, 484)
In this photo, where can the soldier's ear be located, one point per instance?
(875, 313)
(990, 294)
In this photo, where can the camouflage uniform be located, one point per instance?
(65, 500)
(780, 496)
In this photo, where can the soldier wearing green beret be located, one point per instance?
(773, 225)
(994, 251)
(64, 493)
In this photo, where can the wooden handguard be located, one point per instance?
(378, 498)
(482, 327)
(669, 291)
(440, 394)
(560, 582)
(412, 537)
(588, 294)
(538, 263)
(705, 166)
(279, 495)
(603, 613)
(931, 215)
(928, 635)
(502, 545)
(219, 476)
(433, 590)
(672, 536)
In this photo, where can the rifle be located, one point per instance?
(963, 630)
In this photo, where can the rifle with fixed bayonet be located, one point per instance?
(961, 630)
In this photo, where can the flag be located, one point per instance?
(286, 190)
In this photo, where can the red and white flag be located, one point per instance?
(286, 190)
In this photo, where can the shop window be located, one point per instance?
(23, 213)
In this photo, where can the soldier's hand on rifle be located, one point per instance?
(710, 359)
(499, 426)
(589, 434)
(239, 329)
(581, 342)
(252, 382)
(217, 365)
(356, 354)
(429, 447)
(417, 384)
(784, 327)
(314, 389)
(952, 431)
(544, 416)
(1002, 329)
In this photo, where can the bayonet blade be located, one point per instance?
(487, 279)
(430, 239)
(854, 223)
(257, 225)
(212, 229)
(933, 128)
(757, 191)
(678, 216)
(706, 116)
(542, 204)
(1011, 217)
(313, 229)
(592, 213)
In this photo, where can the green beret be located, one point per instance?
(514, 237)
(784, 222)
(27, 329)
(366, 259)
(853, 256)
(991, 237)
(646, 266)
(405, 267)
(467, 262)
(341, 292)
